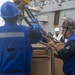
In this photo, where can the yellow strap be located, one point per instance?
(24, 1)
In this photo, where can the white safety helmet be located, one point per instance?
(56, 29)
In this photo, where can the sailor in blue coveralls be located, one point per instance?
(67, 54)
(15, 43)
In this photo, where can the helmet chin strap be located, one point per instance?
(65, 33)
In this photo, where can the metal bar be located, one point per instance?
(28, 22)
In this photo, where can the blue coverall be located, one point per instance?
(15, 49)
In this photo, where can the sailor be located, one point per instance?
(67, 54)
(57, 35)
(15, 43)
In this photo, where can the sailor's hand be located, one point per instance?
(56, 47)
(52, 42)
(60, 45)
(52, 45)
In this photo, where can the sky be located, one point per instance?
(1, 20)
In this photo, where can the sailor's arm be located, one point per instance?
(35, 35)
(68, 51)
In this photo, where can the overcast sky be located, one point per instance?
(1, 20)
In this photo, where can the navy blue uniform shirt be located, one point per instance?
(67, 54)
